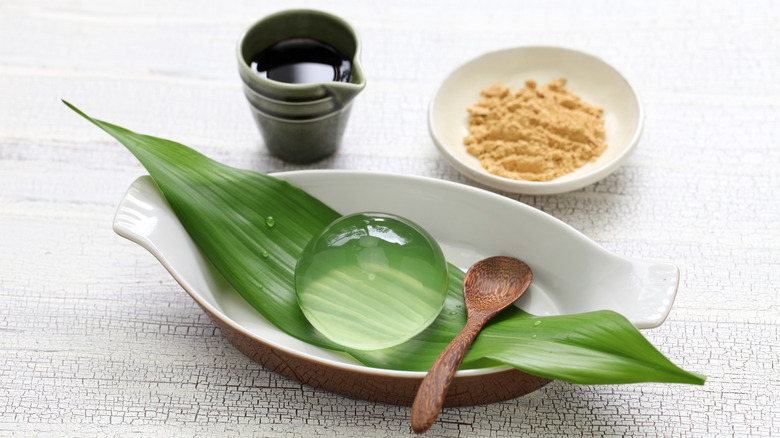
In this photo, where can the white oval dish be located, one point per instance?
(593, 79)
(572, 274)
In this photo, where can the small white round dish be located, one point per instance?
(594, 80)
(572, 274)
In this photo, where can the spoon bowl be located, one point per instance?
(490, 286)
(493, 284)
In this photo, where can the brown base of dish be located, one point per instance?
(464, 391)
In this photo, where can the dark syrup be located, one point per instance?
(302, 61)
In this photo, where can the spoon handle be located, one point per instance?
(430, 396)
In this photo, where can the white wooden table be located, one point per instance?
(96, 338)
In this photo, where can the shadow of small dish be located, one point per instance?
(591, 78)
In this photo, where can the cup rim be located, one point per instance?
(246, 71)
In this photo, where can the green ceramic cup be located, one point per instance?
(300, 123)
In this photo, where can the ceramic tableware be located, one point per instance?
(300, 122)
(590, 77)
(572, 274)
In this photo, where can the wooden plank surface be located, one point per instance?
(97, 339)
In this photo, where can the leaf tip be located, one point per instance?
(699, 379)
(77, 111)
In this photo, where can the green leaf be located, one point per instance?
(588, 348)
(226, 211)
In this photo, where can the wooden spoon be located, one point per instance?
(490, 286)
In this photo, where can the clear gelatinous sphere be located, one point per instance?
(371, 280)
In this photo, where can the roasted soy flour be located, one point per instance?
(534, 133)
